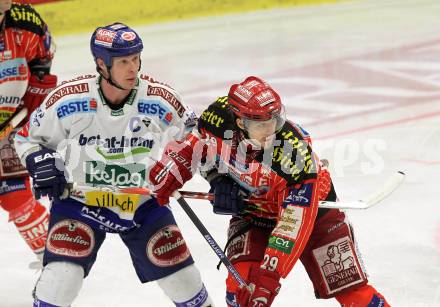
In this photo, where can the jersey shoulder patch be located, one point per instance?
(152, 80)
(24, 16)
(75, 86)
(167, 93)
(292, 157)
(217, 119)
(302, 132)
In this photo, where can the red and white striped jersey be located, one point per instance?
(282, 177)
(24, 40)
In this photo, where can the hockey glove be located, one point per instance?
(172, 171)
(227, 196)
(46, 168)
(263, 286)
(37, 90)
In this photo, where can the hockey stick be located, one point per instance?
(12, 122)
(182, 202)
(390, 185)
(205, 233)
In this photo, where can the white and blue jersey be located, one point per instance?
(104, 146)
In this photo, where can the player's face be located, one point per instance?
(260, 130)
(5, 5)
(125, 69)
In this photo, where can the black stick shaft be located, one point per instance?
(205, 233)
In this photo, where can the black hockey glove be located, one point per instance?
(228, 197)
(46, 168)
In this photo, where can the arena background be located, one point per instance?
(363, 77)
(67, 17)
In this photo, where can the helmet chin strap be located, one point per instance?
(109, 79)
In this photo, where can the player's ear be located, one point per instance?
(102, 67)
(240, 123)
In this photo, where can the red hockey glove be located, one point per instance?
(172, 171)
(37, 90)
(264, 285)
(324, 182)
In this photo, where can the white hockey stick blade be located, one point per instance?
(14, 120)
(389, 187)
(19, 117)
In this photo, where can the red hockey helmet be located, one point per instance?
(257, 104)
(254, 99)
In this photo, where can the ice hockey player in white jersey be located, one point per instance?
(101, 131)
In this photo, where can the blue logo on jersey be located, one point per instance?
(36, 116)
(376, 301)
(71, 107)
(155, 108)
(13, 69)
(191, 119)
(12, 185)
(134, 124)
(300, 197)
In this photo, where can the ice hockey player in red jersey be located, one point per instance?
(248, 149)
(26, 52)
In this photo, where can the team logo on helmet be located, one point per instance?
(243, 93)
(128, 36)
(105, 37)
(253, 83)
(265, 98)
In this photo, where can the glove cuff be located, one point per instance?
(42, 155)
